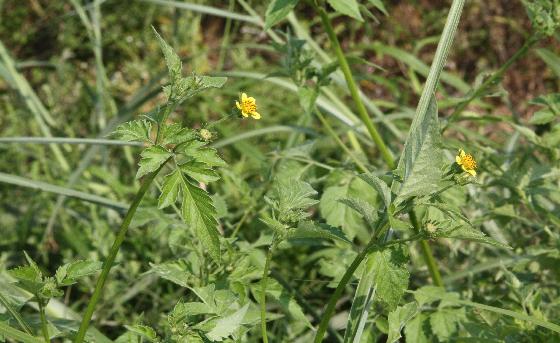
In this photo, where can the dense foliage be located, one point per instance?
(250, 172)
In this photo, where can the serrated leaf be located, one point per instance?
(398, 319)
(468, 233)
(174, 64)
(227, 325)
(170, 189)
(289, 305)
(417, 329)
(311, 229)
(390, 275)
(200, 214)
(136, 130)
(444, 322)
(291, 197)
(347, 7)
(174, 271)
(151, 159)
(339, 214)
(199, 171)
(26, 273)
(279, 228)
(278, 10)
(176, 134)
(69, 274)
(201, 153)
(380, 186)
(187, 87)
(542, 117)
(145, 331)
(363, 208)
(420, 166)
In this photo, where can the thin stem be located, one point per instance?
(263, 290)
(339, 141)
(113, 253)
(427, 253)
(353, 88)
(493, 79)
(44, 327)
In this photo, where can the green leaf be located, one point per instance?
(380, 186)
(188, 87)
(170, 189)
(311, 229)
(364, 209)
(390, 275)
(338, 213)
(200, 214)
(307, 98)
(199, 171)
(444, 322)
(201, 153)
(361, 304)
(174, 271)
(279, 228)
(420, 166)
(69, 274)
(290, 197)
(176, 134)
(550, 58)
(417, 329)
(542, 117)
(347, 7)
(174, 64)
(144, 331)
(398, 319)
(465, 232)
(227, 325)
(289, 305)
(152, 158)
(278, 10)
(379, 5)
(183, 310)
(135, 130)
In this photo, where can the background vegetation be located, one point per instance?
(308, 184)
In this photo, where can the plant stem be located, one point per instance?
(44, 327)
(339, 141)
(493, 79)
(15, 314)
(353, 88)
(370, 247)
(113, 253)
(427, 253)
(263, 289)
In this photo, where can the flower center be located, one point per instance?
(248, 106)
(468, 162)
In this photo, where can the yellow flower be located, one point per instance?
(248, 106)
(467, 162)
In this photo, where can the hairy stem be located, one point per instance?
(44, 327)
(263, 290)
(113, 253)
(362, 112)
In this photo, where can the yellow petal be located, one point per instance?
(256, 115)
(245, 114)
(238, 105)
(243, 97)
(462, 153)
(251, 99)
(458, 160)
(472, 172)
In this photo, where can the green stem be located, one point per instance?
(493, 79)
(427, 253)
(263, 290)
(44, 327)
(370, 247)
(353, 88)
(15, 314)
(339, 141)
(113, 253)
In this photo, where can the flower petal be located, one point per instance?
(458, 160)
(238, 105)
(243, 97)
(256, 115)
(251, 99)
(472, 172)
(461, 153)
(245, 114)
